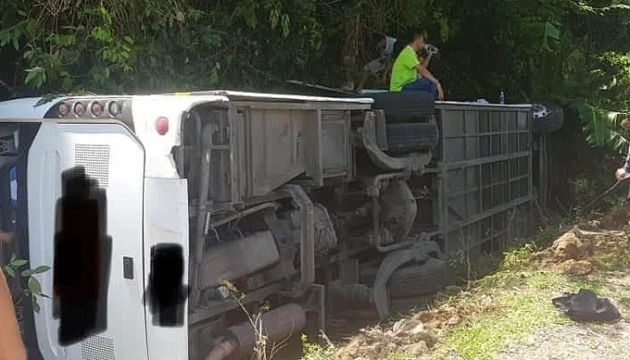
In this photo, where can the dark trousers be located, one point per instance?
(421, 84)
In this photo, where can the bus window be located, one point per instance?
(8, 180)
(8, 185)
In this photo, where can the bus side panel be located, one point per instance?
(42, 159)
(109, 154)
(166, 230)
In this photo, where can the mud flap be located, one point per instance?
(418, 252)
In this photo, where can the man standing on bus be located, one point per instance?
(382, 64)
(409, 73)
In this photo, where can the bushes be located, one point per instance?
(556, 49)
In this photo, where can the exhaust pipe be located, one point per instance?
(277, 325)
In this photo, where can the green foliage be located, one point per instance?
(599, 125)
(32, 289)
(517, 258)
(159, 45)
(314, 351)
(573, 51)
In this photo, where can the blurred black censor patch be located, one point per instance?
(166, 292)
(82, 261)
(82, 264)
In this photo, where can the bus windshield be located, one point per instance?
(15, 142)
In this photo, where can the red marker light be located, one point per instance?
(161, 125)
(63, 109)
(97, 109)
(79, 109)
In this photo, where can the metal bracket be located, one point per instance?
(283, 239)
(418, 252)
(316, 303)
(381, 130)
(307, 239)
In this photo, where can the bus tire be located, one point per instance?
(408, 137)
(403, 105)
(416, 280)
(547, 119)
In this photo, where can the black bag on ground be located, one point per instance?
(585, 306)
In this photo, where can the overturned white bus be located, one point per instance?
(152, 209)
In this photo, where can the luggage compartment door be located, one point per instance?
(110, 155)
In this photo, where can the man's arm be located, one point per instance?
(11, 345)
(427, 60)
(427, 74)
(624, 171)
(424, 72)
(626, 165)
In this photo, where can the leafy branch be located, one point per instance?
(33, 288)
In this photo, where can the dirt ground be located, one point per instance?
(560, 342)
(513, 307)
(580, 341)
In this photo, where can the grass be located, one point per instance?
(522, 305)
(400, 355)
(612, 262)
(463, 271)
(624, 301)
(520, 300)
(483, 337)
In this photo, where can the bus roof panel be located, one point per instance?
(252, 96)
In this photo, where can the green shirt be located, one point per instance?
(404, 69)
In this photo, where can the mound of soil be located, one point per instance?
(576, 267)
(407, 335)
(415, 335)
(580, 250)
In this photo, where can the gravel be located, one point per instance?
(574, 341)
